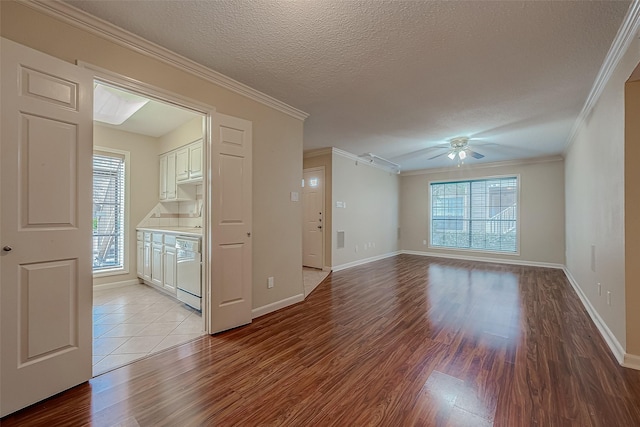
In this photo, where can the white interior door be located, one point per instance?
(230, 265)
(313, 221)
(45, 232)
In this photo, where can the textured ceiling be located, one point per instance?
(397, 78)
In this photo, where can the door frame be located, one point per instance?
(324, 210)
(207, 111)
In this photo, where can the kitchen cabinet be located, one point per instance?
(157, 255)
(146, 257)
(140, 255)
(189, 162)
(170, 262)
(180, 170)
(168, 187)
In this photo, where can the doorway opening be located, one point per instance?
(149, 195)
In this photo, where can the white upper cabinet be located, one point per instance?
(178, 168)
(189, 162)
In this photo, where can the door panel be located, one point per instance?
(46, 192)
(313, 221)
(231, 278)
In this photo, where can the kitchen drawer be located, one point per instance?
(170, 240)
(147, 236)
(158, 237)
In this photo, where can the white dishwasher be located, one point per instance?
(189, 271)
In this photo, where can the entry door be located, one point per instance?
(45, 232)
(231, 280)
(313, 221)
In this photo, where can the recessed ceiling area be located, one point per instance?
(399, 79)
(154, 118)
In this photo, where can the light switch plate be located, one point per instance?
(295, 196)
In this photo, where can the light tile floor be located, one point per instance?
(312, 277)
(132, 322)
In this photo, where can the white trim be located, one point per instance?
(365, 261)
(631, 361)
(114, 285)
(114, 34)
(626, 33)
(359, 160)
(610, 339)
(483, 259)
(518, 162)
(274, 306)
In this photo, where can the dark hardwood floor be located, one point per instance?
(406, 341)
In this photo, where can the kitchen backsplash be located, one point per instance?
(176, 214)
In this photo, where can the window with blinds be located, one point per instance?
(108, 211)
(478, 214)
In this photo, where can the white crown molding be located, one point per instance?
(106, 30)
(626, 33)
(520, 162)
(362, 161)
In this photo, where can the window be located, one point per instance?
(479, 214)
(108, 211)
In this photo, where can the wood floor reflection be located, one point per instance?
(405, 341)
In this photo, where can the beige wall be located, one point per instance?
(143, 184)
(314, 162)
(183, 135)
(541, 210)
(277, 138)
(371, 215)
(632, 215)
(595, 186)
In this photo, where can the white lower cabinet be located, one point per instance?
(157, 260)
(170, 262)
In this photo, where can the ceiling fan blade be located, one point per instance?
(439, 155)
(475, 155)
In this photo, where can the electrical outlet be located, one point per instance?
(270, 282)
(424, 242)
(608, 297)
(599, 289)
(356, 248)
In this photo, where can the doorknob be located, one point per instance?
(320, 226)
(7, 249)
(248, 234)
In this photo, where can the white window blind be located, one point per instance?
(478, 214)
(108, 211)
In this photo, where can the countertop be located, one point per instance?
(185, 231)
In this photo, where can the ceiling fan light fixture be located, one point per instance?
(452, 155)
(462, 154)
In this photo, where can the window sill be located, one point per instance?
(477, 251)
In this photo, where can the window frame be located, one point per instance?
(126, 234)
(471, 179)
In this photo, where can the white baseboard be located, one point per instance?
(270, 308)
(610, 339)
(364, 261)
(325, 268)
(483, 259)
(115, 284)
(631, 361)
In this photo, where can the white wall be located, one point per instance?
(370, 220)
(143, 185)
(594, 176)
(541, 209)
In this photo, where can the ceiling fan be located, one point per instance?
(459, 149)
